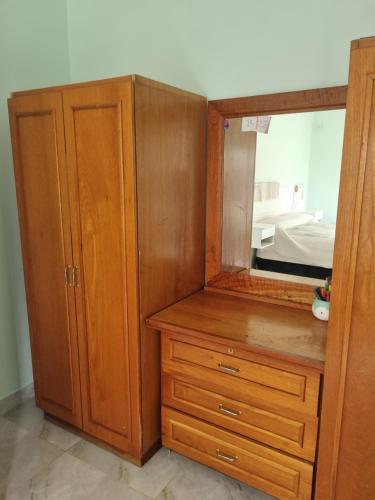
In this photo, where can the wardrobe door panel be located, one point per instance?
(39, 160)
(346, 465)
(98, 122)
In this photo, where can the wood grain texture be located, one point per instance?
(171, 182)
(294, 435)
(289, 102)
(363, 43)
(286, 291)
(97, 121)
(96, 441)
(243, 459)
(71, 86)
(273, 104)
(346, 468)
(273, 383)
(238, 192)
(40, 170)
(282, 332)
(258, 298)
(275, 379)
(215, 163)
(107, 81)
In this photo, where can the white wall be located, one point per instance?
(305, 149)
(222, 48)
(33, 53)
(284, 153)
(325, 163)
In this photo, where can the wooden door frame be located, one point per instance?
(330, 98)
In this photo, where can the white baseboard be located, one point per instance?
(15, 399)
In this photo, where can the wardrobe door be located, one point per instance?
(98, 123)
(346, 465)
(40, 170)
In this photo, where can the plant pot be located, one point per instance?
(320, 309)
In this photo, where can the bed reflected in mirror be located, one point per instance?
(281, 185)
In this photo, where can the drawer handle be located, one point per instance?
(228, 369)
(228, 411)
(225, 457)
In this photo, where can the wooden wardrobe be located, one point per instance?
(110, 179)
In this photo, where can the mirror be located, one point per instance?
(281, 183)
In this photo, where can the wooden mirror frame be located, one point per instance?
(271, 290)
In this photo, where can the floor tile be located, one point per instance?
(28, 416)
(198, 482)
(49, 489)
(66, 478)
(10, 434)
(116, 490)
(23, 457)
(100, 458)
(149, 480)
(58, 436)
(229, 489)
(193, 481)
(153, 477)
(32, 418)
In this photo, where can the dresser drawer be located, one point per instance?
(256, 465)
(295, 435)
(261, 379)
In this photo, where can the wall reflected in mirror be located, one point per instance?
(281, 186)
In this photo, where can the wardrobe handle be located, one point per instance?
(228, 369)
(75, 276)
(67, 276)
(225, 457)
(228, 411)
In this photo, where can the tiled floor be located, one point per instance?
(39, 460)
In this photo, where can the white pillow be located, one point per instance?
(289, 220)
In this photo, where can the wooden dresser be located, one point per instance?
(241, 384)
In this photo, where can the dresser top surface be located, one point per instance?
(279, 331)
